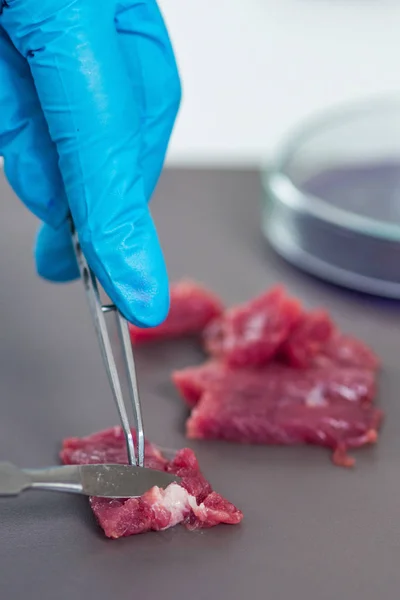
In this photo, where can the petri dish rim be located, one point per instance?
(276, 182)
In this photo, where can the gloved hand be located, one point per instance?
(89, 92)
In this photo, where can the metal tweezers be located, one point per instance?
(98, 310)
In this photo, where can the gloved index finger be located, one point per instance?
(84, 89)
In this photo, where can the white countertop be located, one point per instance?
(251, 69)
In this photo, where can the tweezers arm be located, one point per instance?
(97, 311)
(124, 337)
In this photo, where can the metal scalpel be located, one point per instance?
(106, 481)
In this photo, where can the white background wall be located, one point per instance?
(252, 68)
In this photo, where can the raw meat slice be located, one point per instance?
(251, 334)
(278, 383)
(308, 338)
(192, 382)
(251, 414)
(348, 351)
(192, 308)
(192, 503)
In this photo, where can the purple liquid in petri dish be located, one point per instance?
(371, 190)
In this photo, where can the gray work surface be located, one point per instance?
(311, 531)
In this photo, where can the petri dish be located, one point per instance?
(331, 197)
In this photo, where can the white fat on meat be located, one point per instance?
(178, 502)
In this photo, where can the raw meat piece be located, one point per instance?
(192, 382)
(278, 383)
(308, 338)
(192, 503)
(279, 415)
(347, 351)
(251, 334)
(192, 308)
(282, 376)
(106, 447)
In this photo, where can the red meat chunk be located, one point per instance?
(278, 383)
(312, 413)
(192, 382)
(347, 351)
(308, 338)
(192, 308)
(192, 503)
(251, 334)
(329, 406)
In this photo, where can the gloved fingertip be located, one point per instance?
(147, 313)
(130, 266)
(143, 301)
(54, 256)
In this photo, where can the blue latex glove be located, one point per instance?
(89, 92)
